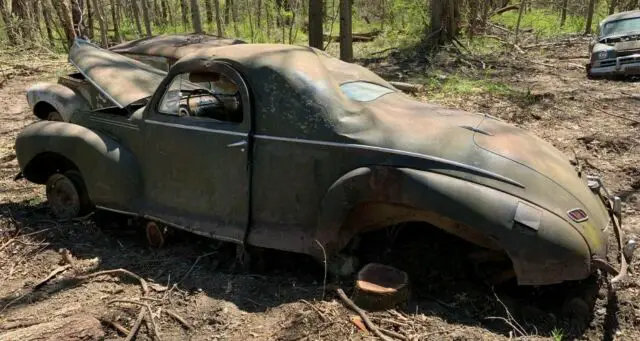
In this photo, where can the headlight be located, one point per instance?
(602, 55)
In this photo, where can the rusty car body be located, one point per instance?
(72, 92)
(286, 147)
(615, 51)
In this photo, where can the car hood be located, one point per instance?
(121, 79)
(522, 165)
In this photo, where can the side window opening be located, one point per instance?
(209, 95)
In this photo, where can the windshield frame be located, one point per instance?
(603, 27)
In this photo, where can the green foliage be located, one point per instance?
(557, 334)
(546, 22)
(460, 85)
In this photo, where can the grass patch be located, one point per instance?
(458, 85)
(546, 22)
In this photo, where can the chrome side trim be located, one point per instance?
(176, 125)
(94, 118)
(394, 151)
(116, 211)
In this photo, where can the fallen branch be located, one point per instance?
(136, 325)
(154, 328)
(505, 9)
(518, 48)
(143, 283)
(52, 275)
(116, 326)
(324, 318)
(407, 87)
(363, 315)
(194, 264)
(179, 319)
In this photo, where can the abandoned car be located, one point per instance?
(616, 48)
(73, 92)
(286, 147)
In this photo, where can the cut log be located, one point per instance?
(77, 327)
(407, 87)
(381, 287)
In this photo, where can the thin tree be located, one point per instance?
(64, 15)
(589, 19)
(195, 16)
(77, 13)
(48, 22)
(146, 17)
(209, 12)
(612, 6)
(216, 4)
(563, 12)
(89, 16)
(184, 7)
(116, 21)
(135, 10)
(315, 23)
(101, 21)
(346, 39)
(12, 35)
(523, 3)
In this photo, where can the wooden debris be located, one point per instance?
(357, 320)
(363, 315)
(143, 283)
(407, 87)
(136, 325)
(116, 326)
(381, 287)
(52, 275)
(150, 320)
(179, 319)
(74, 328)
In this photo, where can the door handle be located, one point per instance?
(238, 144)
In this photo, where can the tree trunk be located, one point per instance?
(97, 4)
(227, 10)
(48, 22)
(259, 14)
(523, 3)
(146, 17)
(563, 12)
(64, 14)
(346, 44)
(445, 16)
(612, 6)
(234, 17)
(209, 12)
(90, 12)
(195, 16)
(589, 19)
(165, 10)
(248, 4)
(184, 7)
(216, 5)
(21, 10)
(74, 328)
(116, 21)
(77, 9)
(12, 35)
(37, 16)
(135, 10)
(315, 23)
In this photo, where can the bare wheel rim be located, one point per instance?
(63, 197)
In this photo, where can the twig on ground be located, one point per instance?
(322, 316)
(154, 328)
(324, 280)
(136, 325)
(52, 275)
(194, 265)
(614, 115)
(518, 48)
(178, 318)
(510, 320)
(383, 51)
(143, 283)
(23, 235)
(363, 315)
(117, 326)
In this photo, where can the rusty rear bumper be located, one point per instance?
(624, 247)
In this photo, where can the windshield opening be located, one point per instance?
(364, 91)
(620, 26)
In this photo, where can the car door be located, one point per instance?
(196, 158)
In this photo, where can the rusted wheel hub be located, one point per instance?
(63, 197)
(156, 234)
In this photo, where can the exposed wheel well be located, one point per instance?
(42, 110)
(45, 164)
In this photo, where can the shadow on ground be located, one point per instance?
(444, 283)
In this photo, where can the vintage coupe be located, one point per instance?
(286, 147)
(616, 49)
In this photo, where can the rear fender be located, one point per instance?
(110, 171)
(61, 98)
(370, 198)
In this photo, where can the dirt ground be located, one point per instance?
(285, 298)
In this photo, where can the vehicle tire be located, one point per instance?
(54, 116)
(67, 195)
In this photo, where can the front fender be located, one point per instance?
(60, 97)
(110, 171)
(549, 251)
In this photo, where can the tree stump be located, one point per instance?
(74, 328)
(381, 287)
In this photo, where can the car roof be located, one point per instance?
(173, 46)
(621, 16)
